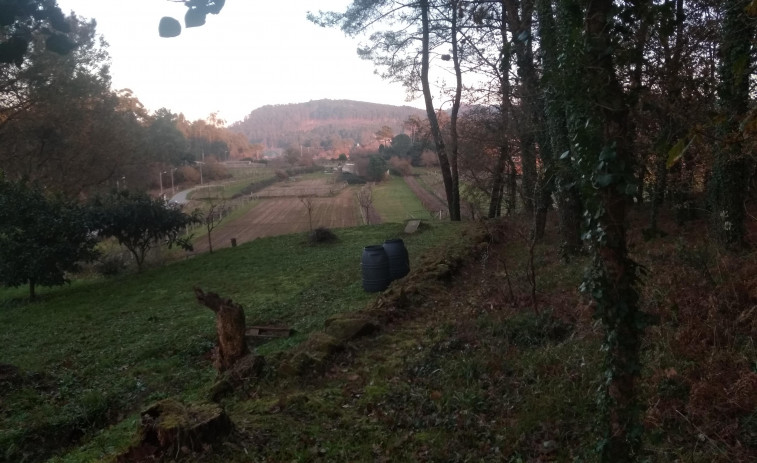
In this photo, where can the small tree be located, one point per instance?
(376, 169)
(307, 201)
(292, 155)
(41, 237)
(213, 214)
(139, 222)
(384, 135)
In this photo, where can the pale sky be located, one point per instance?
(252, 54)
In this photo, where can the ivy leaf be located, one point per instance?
(605, 180)
(677, 152)
(751, 10)
(607, 154)
(169, 27)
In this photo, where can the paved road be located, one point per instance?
(181, 197)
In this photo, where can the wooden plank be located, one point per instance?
(269, 331)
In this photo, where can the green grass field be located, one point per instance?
(241, 178)
(93, 353)
(395, 202)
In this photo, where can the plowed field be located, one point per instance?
(282, 215)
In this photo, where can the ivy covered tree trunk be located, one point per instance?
(603, 145)
(730, 172)
(556, 93)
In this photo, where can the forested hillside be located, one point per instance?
(322, 123)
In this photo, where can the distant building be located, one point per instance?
(349, 167)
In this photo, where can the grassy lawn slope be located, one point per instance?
(94, 353)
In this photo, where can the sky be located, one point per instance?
(253, 53)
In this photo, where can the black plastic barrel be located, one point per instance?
(375, 265)
(399, 261)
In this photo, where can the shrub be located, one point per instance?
(187, 174)
(215, 171)
(110, 265)
(321, 235)
(352, 179)
(400, 166)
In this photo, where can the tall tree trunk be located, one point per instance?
(555, 97)
(543, 203)
(613, 281)
(672, 131)
(658, 190)
(504, 158)
(454, 139)
(498, 180)
(545, 185)
(32, 284)
(730, 173)
(441, 149)
(519, 16)
(512, 185)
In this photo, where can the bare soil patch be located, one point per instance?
(286, 214)
(297, 188)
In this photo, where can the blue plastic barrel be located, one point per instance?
(399, 260)
(375, 266)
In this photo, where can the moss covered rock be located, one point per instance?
(348, 327)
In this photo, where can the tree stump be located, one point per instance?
(230, 326)
(169, 427)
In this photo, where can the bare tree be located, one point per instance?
(307, 201)
(215, 211)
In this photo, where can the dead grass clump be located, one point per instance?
(321, 235)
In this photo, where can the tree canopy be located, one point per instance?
(42, 236)
(140, 222)
(24, 22)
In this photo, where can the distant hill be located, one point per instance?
(322, 124)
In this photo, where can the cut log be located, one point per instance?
(230, 326)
